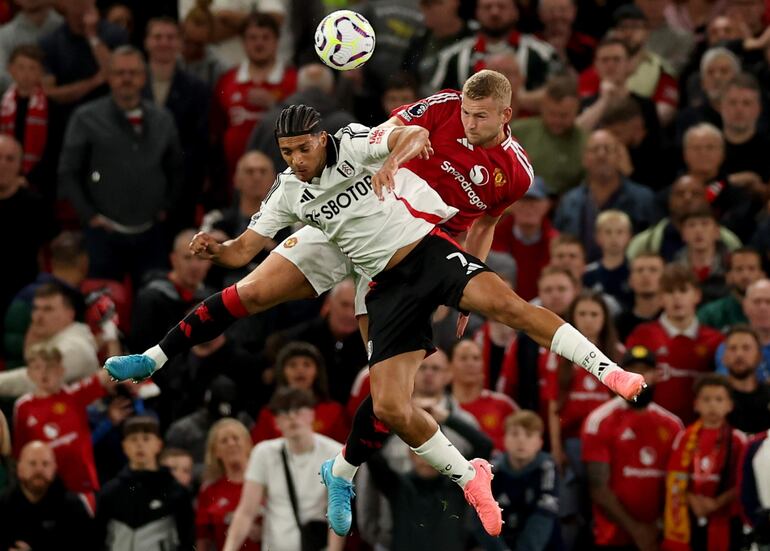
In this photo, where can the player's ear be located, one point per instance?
(322, 137)
(507, 114)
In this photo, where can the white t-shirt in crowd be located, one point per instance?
(280, 531)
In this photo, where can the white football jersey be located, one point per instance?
(341, 202)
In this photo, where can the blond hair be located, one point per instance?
(613, 215)
(47, 353)
(213, 467)
(5, 436)
(486, 84)
(527, 420)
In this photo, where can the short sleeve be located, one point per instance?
(365, 145)
(429, 112)
(87, 390)
(275, 214)
(257, 470)
(594, 443)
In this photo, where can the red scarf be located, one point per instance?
(677, 532)
(36, 127)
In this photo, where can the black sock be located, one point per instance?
(367, 435)
(209, 319)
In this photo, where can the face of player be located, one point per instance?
(438, 15)
(181, 467)
(742, 355)
(557, 16)
(483, 120)
(740, 109)
(163, 43)
(713, 403)
(342, 310)
(679, 304)
(613, 237)
(715, 75)
(26, 73)
(433, 375)
(51, 315)
(47, 376)
(496, 16)
(10, 166)
(556, 292)
(644, 278)
(142, 449)
(721, 29)
(589, 319)
(295, 423)
(231, 445)
(305, 154)
(745, 269)
(300, 372)
(260, 44)
(396, 97)
(126, 77)
(756, 305)
(611, 62)
(700, 234)
(559, 115)
(687, 194)
(36, 468)
(703, 153)
(522, 445)
(528, 213)
(467, 364)
(570, 257)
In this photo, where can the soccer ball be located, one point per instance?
(344, 40)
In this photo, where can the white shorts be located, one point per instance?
(322, 263)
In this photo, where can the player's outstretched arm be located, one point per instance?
(233, 253)
(404, 143)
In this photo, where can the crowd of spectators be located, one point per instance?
(128, 125)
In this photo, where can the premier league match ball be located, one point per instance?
(344, 40)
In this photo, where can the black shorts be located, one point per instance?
(401, 301)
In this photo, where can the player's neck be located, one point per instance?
(465, 393)
(497, 140)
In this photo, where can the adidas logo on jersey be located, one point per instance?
(307, 196)
(464, 142)
(628, 434)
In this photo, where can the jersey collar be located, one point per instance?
(332, 151)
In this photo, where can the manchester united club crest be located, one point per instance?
(499, 178)
(289, 243)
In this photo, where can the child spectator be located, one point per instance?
(24, 107)
(704, 253)
(300, 365)
(56, 414)
(144, 506)
(488, 407)
(227, 454)
(626, 446)
(610, 273)
(683, 346)
(701, 507)
(180, 463)
(526, 484)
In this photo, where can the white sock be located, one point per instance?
(343, 469)
(157, 355)
(569, 343)
(444, 457)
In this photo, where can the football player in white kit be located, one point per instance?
(414, 267)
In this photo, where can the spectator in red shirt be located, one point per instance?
(684, 347)
(526, 235)
(300, 365)
(702, 511)
(488, 407)
(56, 414)
(626, 446)
(227, 454)
(245, 93)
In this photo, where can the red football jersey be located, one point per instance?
(61, 421)
(681, 358)
(636, 444)
(473, 179)
(216, 506)
(330, 420)
(490, 409)
(233, 114)
(705, 468)
(585, 395)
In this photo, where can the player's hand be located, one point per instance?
(384, 179)
(427, 151)
(205, 246)
(462, 323)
